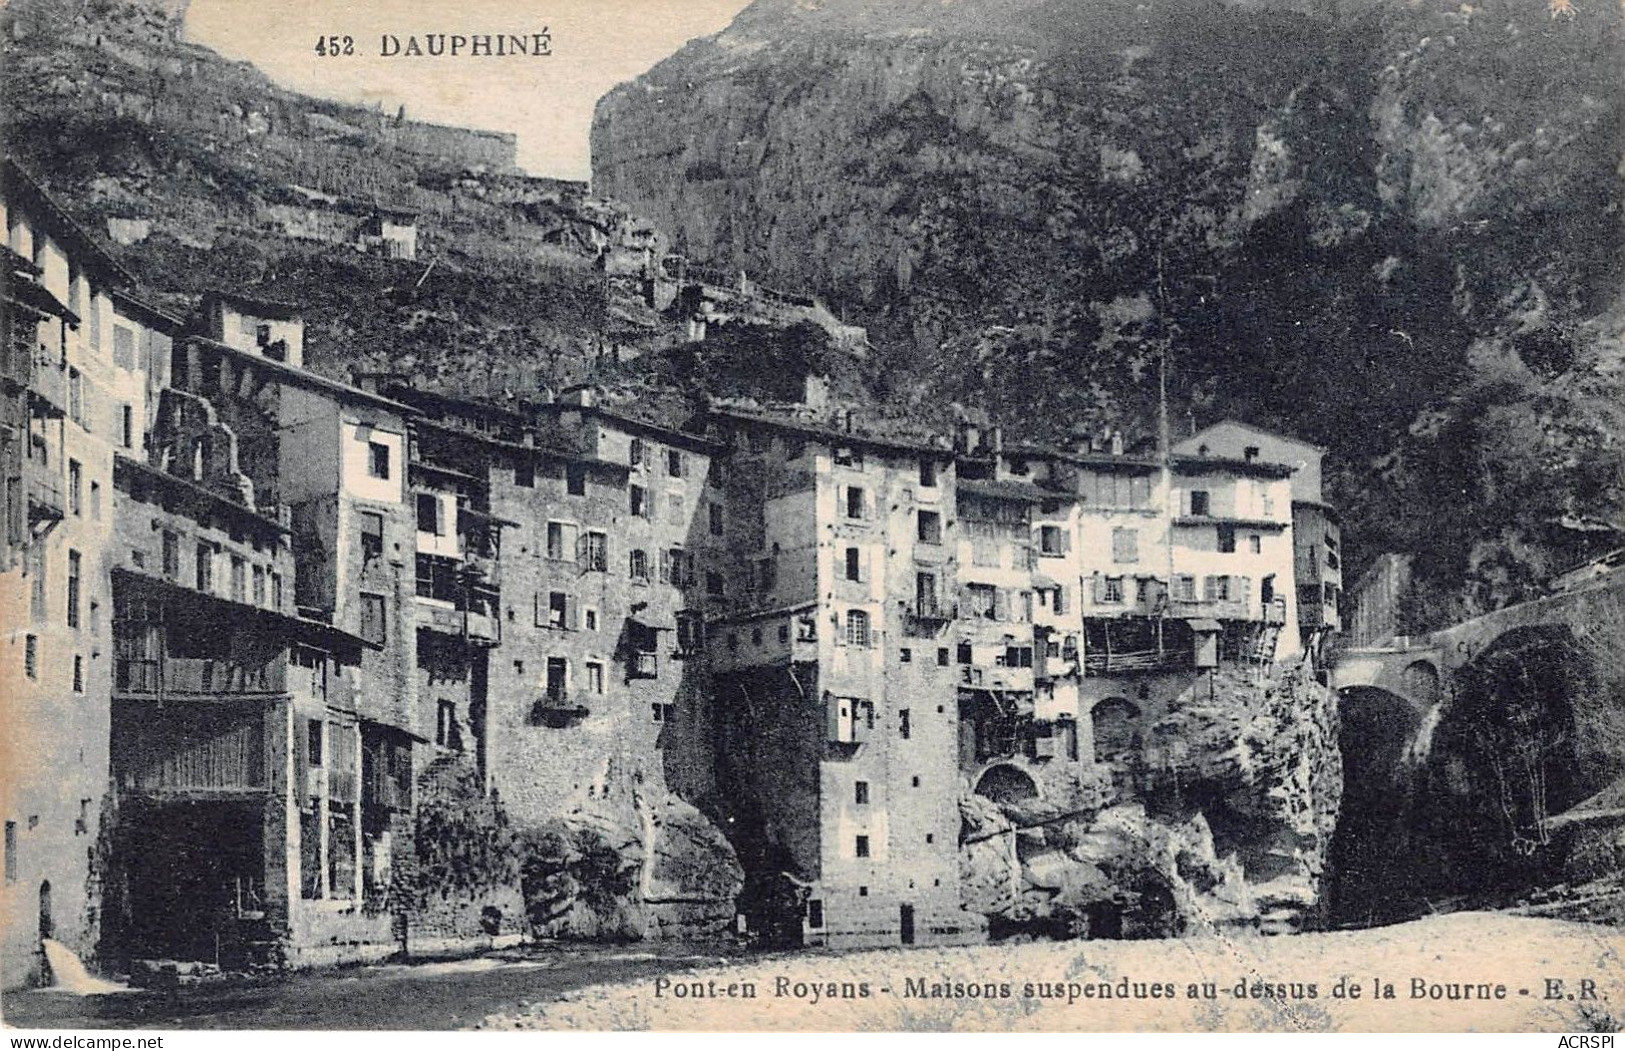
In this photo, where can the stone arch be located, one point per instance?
(1006, 783)
(1116, 724)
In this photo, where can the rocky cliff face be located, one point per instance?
(1223, 821)
(1393, 229)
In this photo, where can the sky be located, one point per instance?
(548, 101)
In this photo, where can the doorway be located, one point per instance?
(47, 925)
(906, 916)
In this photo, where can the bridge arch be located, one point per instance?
(1006, 783)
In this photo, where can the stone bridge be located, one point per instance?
(1418, 669)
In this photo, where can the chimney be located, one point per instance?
(996, 438)
(969, 437)
(1117, 443)
(581, 394)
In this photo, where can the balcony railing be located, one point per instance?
(45, 502)
(926, 620)
(1139, 661)
(176, 676)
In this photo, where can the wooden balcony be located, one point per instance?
(181, 677)
(1138, 662)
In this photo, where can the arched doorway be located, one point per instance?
(1006, 784)
(47, 924)
(1116, 723)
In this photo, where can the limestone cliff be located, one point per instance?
(1337, 217)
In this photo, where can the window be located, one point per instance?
(905, 656)
(664, 713)
(1053, 541)
(675, 512)
(964, 653)
(96, 501)
(31, 656)
(690, 631)
(854, 501)
(905, 728)
(239, 579)
(76, 484)
(1112, 589)
(524, 475)
(1018, 656)
(857, 628)
(942, 656)
(378, 459)
(78, 673)
(595, 553)
(558, 674)
(784, 634)
(638, 564)
(276, 590)
(714, 513)
(676, 567)
(11, 855)
(634, 454)
(429, 514)
(575, 480)
(674, 463)
(561, 541)
(1185, 588)
(849, 457)
(928, 473)
(589, 619)
(171, 555)
(714, 585)
(983, 602)
(929, 527)
(1227, 539)
(1199, 502)
(37, 598)
(595, 677)
(372, 535)
(73, 589)
(445, 727)
(815, 907)
(1250, 453)
(862, 846)
(925, 594)
(373, 629)
(1125, 545)
(860, 793)
(127, 426)
(1216, 589)
(259, 586)
(767, 575)
(638, 501)
(560, 612)
(1256, 545)
(76, 397)
(854, 564)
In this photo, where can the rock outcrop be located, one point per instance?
(1249, 754)
(630, 867)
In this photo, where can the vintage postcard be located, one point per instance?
(806, 515)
